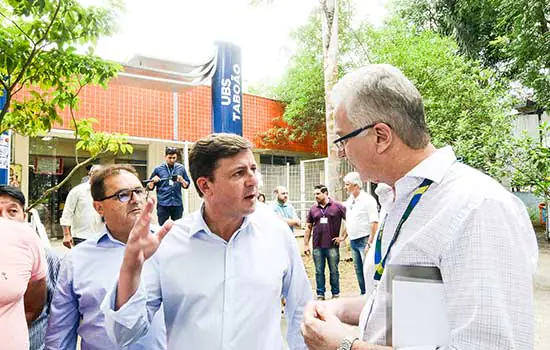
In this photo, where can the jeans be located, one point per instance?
(358, 254)
(332, 255)
(171, 212)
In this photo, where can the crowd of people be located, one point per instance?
(214, 279)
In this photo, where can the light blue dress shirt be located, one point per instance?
(217, 294)
(88, 271)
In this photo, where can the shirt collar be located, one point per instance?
(105, 238)
(328, 203)
(282, 205)
(198, 224)
(435, 166)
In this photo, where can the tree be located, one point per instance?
(531, 162)
(464, 105)
(302, 85)
(329, 20)
(510, 36)
(41, 72)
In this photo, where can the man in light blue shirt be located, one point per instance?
(220, 272)
(90, 269)
(284, 209)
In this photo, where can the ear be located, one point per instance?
(384, 137)
(98, 206)
(205, 185)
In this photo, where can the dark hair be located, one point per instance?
(170, 151)
(13, 192)
(204, 156)
(98, 180)
(323, 188)
(261, 195)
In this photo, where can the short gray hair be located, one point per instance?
(381, 93)
(353, 178)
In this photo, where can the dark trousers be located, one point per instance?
(171, 212)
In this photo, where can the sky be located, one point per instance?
(185, 30)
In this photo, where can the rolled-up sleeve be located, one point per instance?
(297, 291)
(132, 321)
(69, 208)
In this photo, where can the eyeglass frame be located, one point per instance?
(133, 192)
(339, 142)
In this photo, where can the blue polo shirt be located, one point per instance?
(169, 195)
(286, 211)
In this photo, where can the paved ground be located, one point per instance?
(542, 291)
(542, 297)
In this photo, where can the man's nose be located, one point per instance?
(253, 179)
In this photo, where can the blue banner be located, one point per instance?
(227, 94)
(5, 158)
(4, 148)
(3, 99)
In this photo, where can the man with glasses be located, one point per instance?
(89, 270)
(169, 178)
(440, 214)
(219, 272)
(79, 219)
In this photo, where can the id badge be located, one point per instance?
(324, 220)
(171, 183)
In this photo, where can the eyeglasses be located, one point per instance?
(340, 142)
(126, 194)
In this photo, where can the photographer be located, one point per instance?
(169, 178)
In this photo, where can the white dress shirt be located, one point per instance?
(217, 294)
(480, 237)
(361, 213)
(79, 213)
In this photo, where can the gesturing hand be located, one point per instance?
(141, 243)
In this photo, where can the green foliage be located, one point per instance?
(302, 86)
(41, 72)
(511, 36)
(97, 143)
(463, 103)
(531, 161)
(38, 53)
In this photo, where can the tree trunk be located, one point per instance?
(329, 10)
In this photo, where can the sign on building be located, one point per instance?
(227, 90)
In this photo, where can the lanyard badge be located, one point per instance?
(379, 262)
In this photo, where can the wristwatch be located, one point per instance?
(347, 343)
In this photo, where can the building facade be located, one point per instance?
(155, 107)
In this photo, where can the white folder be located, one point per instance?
(417, 315)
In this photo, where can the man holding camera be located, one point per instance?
(169, 178)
